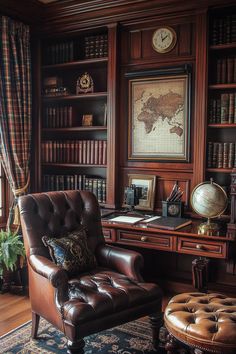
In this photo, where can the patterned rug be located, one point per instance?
(130, 338)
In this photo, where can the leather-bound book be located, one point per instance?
(169, 223)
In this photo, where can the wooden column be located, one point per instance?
(111, 115)
(200, 98)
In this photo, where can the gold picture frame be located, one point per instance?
(148, 183)
(87, 120)
(159, 115)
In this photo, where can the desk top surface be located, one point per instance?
(189, 230)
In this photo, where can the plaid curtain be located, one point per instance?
(15, 105)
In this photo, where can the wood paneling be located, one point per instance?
(165, 185)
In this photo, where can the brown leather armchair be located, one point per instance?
(111, 294)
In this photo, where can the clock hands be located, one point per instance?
(163, 38)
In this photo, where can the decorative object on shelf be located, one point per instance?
(144, 186)
(159, 109)
(84, 84)
(173, 206)
(52, 86)
(87, 120)
(209, 200)
(164, 39)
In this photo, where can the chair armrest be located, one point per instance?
(124, 261)
(45, 267)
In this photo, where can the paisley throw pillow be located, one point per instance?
(71, 252)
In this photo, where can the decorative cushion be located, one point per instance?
(71, 251)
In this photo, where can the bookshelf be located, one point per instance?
(221, 127)
(76, 153)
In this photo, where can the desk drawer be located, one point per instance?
(109, 235)
(202, 248)
(160, 242)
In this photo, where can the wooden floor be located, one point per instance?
(14, 311)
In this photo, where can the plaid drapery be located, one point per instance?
(15, 103)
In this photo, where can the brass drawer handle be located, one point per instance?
(199, 247)
(144, 238)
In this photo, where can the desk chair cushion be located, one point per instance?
(71, 252)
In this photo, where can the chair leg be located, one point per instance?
(35, 325)
(156, 321)
(76, 347)
(171, 345)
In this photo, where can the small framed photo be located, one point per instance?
(148, 185)
(87, 120)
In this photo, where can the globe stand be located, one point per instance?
(208, 228)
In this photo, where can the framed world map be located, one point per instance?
(158, 127)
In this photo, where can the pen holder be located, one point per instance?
(173, 209)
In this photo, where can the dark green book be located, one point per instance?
(169, 223)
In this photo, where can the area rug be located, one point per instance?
(130, 338)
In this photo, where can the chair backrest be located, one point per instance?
(55, 213)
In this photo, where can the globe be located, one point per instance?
(209, 200)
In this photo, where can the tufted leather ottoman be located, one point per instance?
(204, 322)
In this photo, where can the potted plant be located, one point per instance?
(11, 248)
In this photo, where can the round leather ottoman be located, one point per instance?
(204, 322)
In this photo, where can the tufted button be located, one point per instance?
(213, 316)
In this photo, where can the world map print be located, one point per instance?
(158, 117)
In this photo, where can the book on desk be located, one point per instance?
(169, 223)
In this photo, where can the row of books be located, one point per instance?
(224, 29)
(96, 185)
(221, 155)
(223, 109)
(86, 152)
(57, 53)
(58, 117)
(96, 46)
(226, 70)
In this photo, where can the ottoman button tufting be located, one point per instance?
(202, 327)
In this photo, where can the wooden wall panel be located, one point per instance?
(135, 50)
(139, 46)
(165, 185)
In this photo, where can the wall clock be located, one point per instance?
(164, 39)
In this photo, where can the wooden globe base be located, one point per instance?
(208, 228)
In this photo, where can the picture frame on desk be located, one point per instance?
(159, 114)
(148, 184)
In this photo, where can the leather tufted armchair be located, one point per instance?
(111, 294)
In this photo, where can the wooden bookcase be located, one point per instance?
(74, 155)
(221, 131)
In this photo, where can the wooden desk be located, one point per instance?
(183, 241)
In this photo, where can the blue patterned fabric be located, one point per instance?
(71, 252)
(130, 338)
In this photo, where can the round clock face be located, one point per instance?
(85, 81)
(173, 209)
(164, 39)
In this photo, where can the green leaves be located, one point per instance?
(11, 246)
